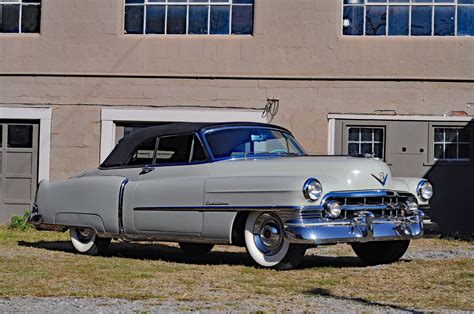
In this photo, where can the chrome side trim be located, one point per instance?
(231, 208)
(120, 205)
(193, 238)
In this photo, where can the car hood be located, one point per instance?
(334, 173)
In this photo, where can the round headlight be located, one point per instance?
(425, 190)
(312, 189)
(333, 209)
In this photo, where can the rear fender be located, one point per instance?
(84, 202)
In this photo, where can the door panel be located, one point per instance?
(408, 148)
(168, 221)
(162, 197)
(20, 163)
(17, 189)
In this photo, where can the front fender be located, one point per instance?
(410, 185)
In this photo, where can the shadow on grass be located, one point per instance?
(155, 251)
(327, 293)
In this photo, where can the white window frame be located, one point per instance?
(44, 116)
(187, 4)
(366, 3)
(372, 142)
(20, 15)
(110, 117)
(444, 143)
(332, 117)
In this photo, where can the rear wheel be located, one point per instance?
(266, 244)
(384, 252)
(195, 249)
(86, 241)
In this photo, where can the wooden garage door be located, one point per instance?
(18, 167)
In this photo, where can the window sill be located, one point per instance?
(19, 35)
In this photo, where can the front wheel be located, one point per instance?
(266, 244)
(86, 241)
(384, 252)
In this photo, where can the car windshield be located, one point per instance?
(245, 141)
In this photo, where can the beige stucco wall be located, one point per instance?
(303, 105)
(292, 39)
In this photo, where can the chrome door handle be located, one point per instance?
(147, 169)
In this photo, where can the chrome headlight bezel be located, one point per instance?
(312, 190)
(424, 190)
(333, 209)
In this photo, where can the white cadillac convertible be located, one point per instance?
(245, 184)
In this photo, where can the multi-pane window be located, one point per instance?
(452, 143)
(408, 17)
(366, 140)
(20, 136)
(20, 16)
(197, 17)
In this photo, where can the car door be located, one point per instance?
(168, 198)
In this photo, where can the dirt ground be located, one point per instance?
(41, 271)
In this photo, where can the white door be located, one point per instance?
(169, 195)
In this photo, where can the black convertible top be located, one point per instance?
(127, 145)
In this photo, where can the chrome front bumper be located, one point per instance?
(364, 227)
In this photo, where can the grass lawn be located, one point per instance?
(44, 264)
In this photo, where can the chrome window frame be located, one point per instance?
(206, 131)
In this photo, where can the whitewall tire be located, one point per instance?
(266, 244)
(86, 241)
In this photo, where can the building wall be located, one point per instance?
(82, 62)
(303, 105)
(291, 38)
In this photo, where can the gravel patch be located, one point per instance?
(305, 303)
(430, 254)
(412, 253)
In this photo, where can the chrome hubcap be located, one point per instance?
(268, 234)
(85, 235)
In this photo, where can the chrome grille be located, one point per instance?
(384, 204)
